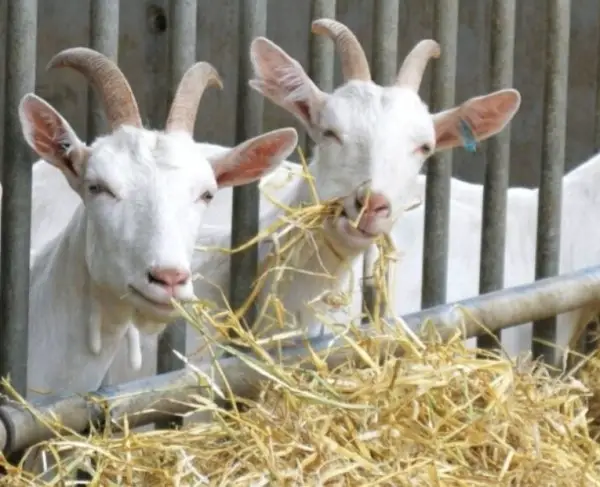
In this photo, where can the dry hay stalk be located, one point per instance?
(441, 415)
(295, 238)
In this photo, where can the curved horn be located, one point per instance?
(106, 77)
(354, 60)
(184, 108)
(411, 72)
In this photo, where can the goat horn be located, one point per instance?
(184, 108)
(354, 60)
(411, 72)
(106, 77)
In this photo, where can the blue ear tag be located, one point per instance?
(469, 141)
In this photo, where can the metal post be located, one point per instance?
(322, 49)
(104, 38)
(553, 154)
(244, 224)
(493, 234)
(3, 48)
(385, 61)
(321, 59)
(439, 167)
(182, 54)
(16, 197)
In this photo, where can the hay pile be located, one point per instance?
(440, 415)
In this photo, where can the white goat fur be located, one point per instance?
(383, 135)
(364, 133)
(367, 137)
(578, 247)
(54, 202)
(110, 242)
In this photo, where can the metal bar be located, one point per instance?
(147, 400)
(553, 154)
(244, 223)
(439, 167)
(493, 235)
(16, 197)
(182, 54)
(321, 58)
(385, 46)
(385, 63)
(104, 38)
(3, 44)
(322, 49)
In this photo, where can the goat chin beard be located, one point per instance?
(154, 315)
(148, 325)
(347, 236)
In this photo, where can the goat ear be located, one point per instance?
(485, 116)
(52, 138)
(281, 79)
(254, 158)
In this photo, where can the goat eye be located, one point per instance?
(96, 188)
(207, 196)
(425, 149)
(330, 134)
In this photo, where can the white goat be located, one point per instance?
(371, 142)
(578, 247)
(127, 248)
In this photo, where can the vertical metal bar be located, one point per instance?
(385, 62)
(553, 153)
(439, 167)
(321, 49)
(385, 46)
(3, 50)
(253, 22)
(16, 197)
(321, 58)
(182, 54)
(104, 38)
(493, 235)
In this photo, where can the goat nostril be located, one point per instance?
(358, 204)
(168, 277)
(383, 208)
(153, 279)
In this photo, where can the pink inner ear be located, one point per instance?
(252, 163)
(447, 132)
(47, 135)
(46, 132)
(488, 115)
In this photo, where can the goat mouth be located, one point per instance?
(349, 227)
(157, 304)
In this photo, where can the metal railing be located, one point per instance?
(163, 397)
